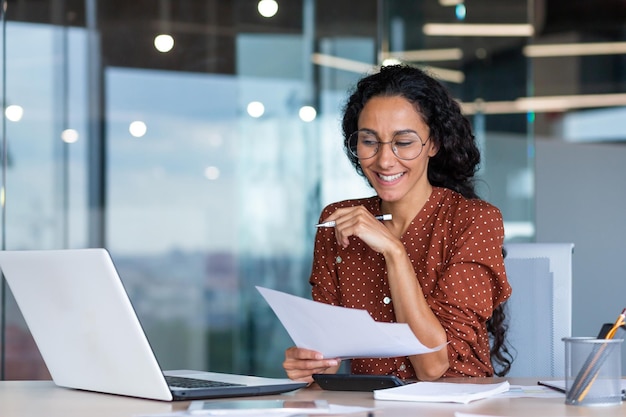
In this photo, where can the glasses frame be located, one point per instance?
(353, 151)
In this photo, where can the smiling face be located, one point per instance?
(394, 179)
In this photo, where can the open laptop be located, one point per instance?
(90, 338)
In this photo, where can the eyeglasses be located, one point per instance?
(364, 144)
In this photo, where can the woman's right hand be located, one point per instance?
(300, 364)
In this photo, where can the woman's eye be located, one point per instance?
(369, 142)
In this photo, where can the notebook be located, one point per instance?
(90, 338)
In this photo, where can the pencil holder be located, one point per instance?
(593, 371)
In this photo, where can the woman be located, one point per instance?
(437, 265)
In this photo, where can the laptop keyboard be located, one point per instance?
(182, 382)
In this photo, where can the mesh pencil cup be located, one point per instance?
(593, 371)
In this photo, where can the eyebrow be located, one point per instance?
(397, 132)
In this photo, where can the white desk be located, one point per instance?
(44, 399)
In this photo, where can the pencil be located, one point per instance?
(618, 323)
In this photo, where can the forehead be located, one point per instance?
(390, 112)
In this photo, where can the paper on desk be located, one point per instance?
(530, 391)
(461, 414)
(441, 392)
(340, 332)
(329, 409)
(458, 414)
(333, 409)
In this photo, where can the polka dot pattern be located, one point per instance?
(455, 247)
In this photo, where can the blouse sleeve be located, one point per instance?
(323, 279)
(471, 284)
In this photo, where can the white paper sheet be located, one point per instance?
(328, 409)
(333, 409)
(340, 332)
(530, 391)
(441, 392)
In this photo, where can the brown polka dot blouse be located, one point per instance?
(455, 246)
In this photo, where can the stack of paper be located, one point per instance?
(441, 392)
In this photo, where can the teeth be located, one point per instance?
(390, 177)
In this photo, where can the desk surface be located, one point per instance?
(43, 398)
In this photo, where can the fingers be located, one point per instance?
(300, 364)
(352, 221)
(359, 222)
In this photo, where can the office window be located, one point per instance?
(199, 168)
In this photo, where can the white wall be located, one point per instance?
(581, 198)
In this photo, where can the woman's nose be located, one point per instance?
(386, 156)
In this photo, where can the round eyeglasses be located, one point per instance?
(364, 144)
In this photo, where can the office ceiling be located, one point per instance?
(207, 29)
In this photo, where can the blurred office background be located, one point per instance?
(198, 141)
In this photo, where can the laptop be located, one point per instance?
(90, 338)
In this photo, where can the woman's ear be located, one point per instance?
(433, 148)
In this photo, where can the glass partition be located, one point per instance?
(201, 168)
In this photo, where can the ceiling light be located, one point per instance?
(575, 49)
(255, 109)
(267, 8)
(390, 61)
(137, 128)
(445, 74)
(212, 172)
(490, 107)
(427, 55)
(14, 112)
(307, 113)
(545, 104)
(163, 43)
(69, 136)
(562, 103)
(341, 63)
(470, 29)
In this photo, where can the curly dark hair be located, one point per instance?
(455, 163)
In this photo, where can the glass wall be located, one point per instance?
(201, 159)
(201, 168)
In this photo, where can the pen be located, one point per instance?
(332, 222)
(552, 386)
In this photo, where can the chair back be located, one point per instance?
(540, 309)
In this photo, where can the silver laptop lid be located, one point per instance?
(83, 322)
